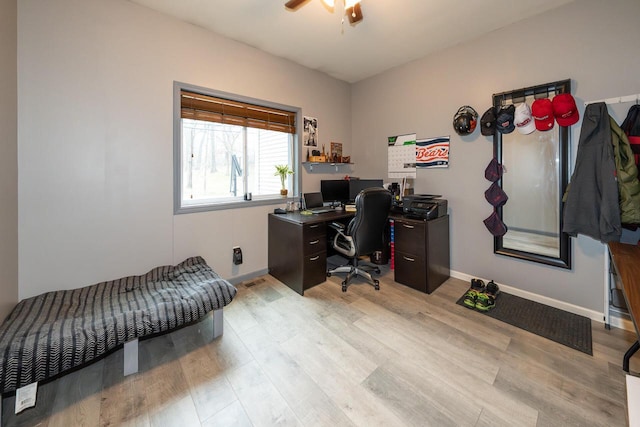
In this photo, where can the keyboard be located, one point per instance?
(320, 210)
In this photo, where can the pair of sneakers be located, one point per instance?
(480, 296)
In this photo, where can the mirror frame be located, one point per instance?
(516, 97)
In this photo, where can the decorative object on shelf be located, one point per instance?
(336, 152)
(283, 171)
(318, 159)
(310, 131)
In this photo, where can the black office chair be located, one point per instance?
(363, 235)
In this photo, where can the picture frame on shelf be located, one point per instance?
(335, 155)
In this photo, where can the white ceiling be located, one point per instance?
(392, 33)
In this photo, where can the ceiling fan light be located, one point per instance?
(329, 3)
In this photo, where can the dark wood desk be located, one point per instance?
(298, 249)
(626, 261)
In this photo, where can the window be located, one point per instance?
(226, 148)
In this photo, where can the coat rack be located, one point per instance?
(607, 260)
(618, 100)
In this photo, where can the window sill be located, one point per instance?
(180, 210)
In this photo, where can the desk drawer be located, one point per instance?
(314, 244)
(314, 269)
(411, 271)
(410, 237)
(314, 230)
(314, 238)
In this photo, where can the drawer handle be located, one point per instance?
(408, 259)
(407, 226)
(315, 258)
(314, 226)
(314, 242)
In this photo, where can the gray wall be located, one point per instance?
(8, 157)
(590, 41)
(95, 167)
(95, 140)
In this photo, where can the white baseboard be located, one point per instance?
(239, 279)
(615, 320)
(621, 323)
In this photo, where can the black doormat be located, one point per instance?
(560, 326)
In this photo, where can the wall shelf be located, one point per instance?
(310, 165)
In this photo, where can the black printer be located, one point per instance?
(424, 206)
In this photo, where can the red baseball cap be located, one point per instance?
(565, 109)
(542, 112)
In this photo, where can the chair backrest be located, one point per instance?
(367, 227)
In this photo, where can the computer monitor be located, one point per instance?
(357, 185)
(313, 200)
(335, 190)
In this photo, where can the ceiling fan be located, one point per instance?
(352, 8)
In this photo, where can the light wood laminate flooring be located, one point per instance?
(396, 357)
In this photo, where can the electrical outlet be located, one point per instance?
(237, 255)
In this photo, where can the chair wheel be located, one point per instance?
(376, 285)
(377, 270)
(328, 274)
(344, 288)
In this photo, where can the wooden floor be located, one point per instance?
(395, 357)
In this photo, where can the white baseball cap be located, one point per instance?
(524, 120)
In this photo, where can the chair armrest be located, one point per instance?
(337, 226)
(344, 244)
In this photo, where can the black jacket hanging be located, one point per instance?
(591, 201)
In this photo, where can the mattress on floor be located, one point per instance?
(51, 333)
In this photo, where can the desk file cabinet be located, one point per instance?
(422, 252)
(297, 253)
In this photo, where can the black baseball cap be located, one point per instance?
(488, 122)
(505, 117)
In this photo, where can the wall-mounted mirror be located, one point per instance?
(536, 168)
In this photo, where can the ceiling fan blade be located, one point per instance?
(294, 4)
(355, 13)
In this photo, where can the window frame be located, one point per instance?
(178, 209)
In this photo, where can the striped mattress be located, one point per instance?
(51, 333)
